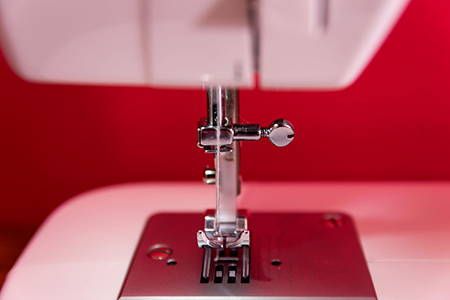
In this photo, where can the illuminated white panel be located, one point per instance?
(321, 44)
(198, 41)
(159, 42)
(82, 41)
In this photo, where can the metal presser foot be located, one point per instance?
(275, 255)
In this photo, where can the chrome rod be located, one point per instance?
(223, 109)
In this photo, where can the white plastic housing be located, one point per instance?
(188, 43)
(157, 42)
(84, 249)
(191, 43)
(321, 44)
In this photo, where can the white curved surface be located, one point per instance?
(312, 44)
(322, 44)
(84, 248)
(169, 42)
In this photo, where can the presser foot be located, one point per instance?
(296, 255)
(230, 263)
(237, 236)
(228, 250)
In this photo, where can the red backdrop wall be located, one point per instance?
(392, 124)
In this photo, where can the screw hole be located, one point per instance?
(276, 262)
(159, 252)
(171, 262)
(333, 221)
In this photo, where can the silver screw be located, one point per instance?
(209, 176)
(280, 132)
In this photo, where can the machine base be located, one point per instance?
(305, 256)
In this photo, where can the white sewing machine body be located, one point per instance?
(84, 249)
(299, 44)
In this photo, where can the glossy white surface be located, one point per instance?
(83, 249)
(303, 43)
(195, 42)
(316, 44)
(81, 41)
(181, 43)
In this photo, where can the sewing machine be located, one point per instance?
(217, 46)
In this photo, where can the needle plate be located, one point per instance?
(301, 256)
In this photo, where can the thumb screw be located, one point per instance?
(280, 132)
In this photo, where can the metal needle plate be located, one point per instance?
(303, 256)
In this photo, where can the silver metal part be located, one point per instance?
(292, 255)
(246, 132)
(233, 113)
(220, 133)
(253, 17)
(209, 176)
(241, 241)
(210, 237)
(245, 264)
(222, 104)
(203, 241)
(280, 132)
(206, 266)
(213, 137)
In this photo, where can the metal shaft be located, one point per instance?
(222, 108)
(232, 110)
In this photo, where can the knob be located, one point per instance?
(280, 132)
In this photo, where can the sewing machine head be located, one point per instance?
(214, 45)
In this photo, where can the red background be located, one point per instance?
(392, 124)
